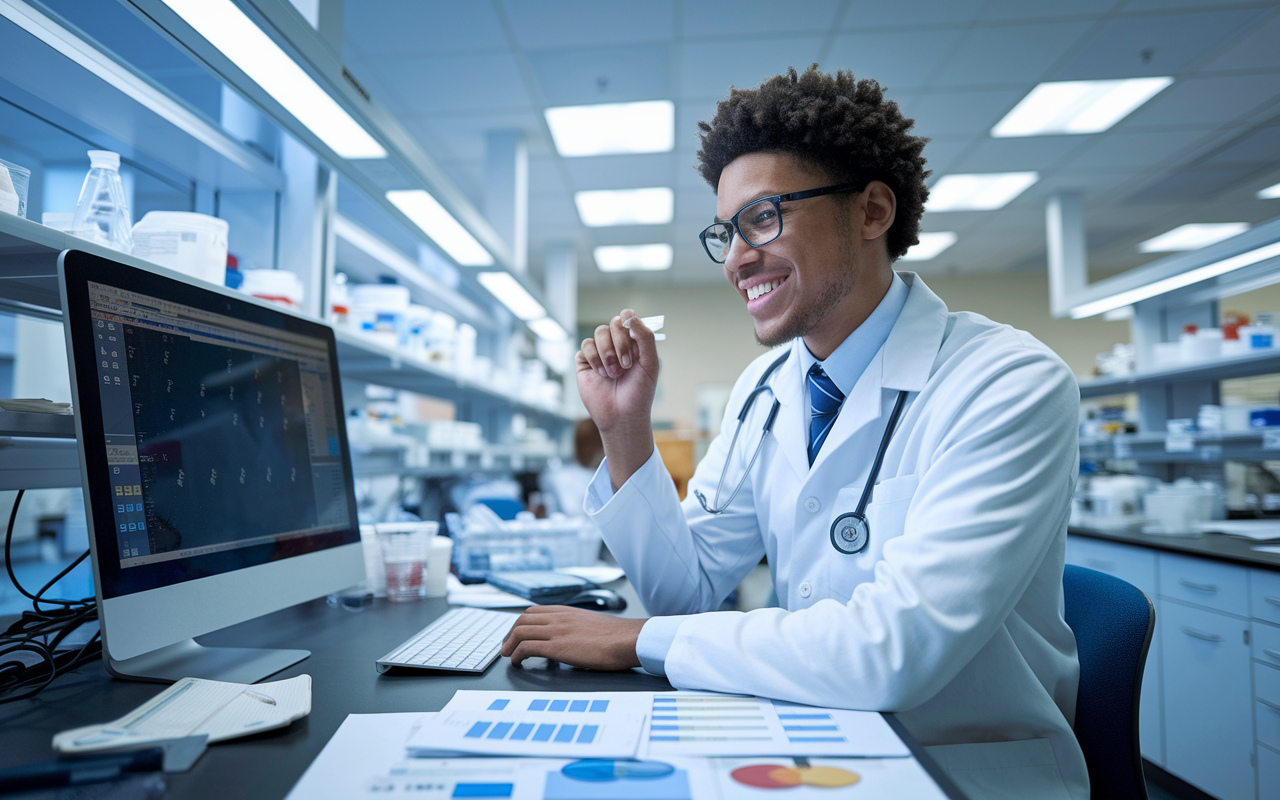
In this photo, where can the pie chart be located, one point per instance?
(776, 776)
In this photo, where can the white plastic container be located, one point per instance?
(193, 244)
(102, 212)
(1175, 508)
(1259, 337)
(277, 286)
(14, 181)
(379, 310)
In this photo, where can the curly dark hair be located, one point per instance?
(839, 124)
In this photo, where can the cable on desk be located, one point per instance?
(41, 631)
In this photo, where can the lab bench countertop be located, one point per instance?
(1213, 546)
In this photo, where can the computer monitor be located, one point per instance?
(217, 478)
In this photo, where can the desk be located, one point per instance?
(344, 646)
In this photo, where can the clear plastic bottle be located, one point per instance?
(102, 212)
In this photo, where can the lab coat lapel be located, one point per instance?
(904, 362)
(789, 427)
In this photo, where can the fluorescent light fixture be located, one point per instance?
(1270, 193)
(427, 213)
(648, 127)
(984, 192)
(1077, 106)
(512, 295)
(548, 329)
(1192, 236)
(600, 209)
(931, 246)
(227, 28)
(634, 257)
(1176, 281)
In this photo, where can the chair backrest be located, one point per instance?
(1113, 621)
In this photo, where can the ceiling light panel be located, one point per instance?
(548, 330)
(978, 192)
(1192, 236)
(227, 28)
(1067, 107)
(600, 209)
(1270, 193)
(634, 257)
(931, 246)
(437, 223)
(511, 294)
(613, 128)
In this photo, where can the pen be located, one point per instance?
(261, 698)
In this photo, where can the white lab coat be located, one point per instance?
(953, 616)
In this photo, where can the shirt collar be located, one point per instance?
(847, 363)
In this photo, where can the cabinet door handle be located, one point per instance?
(1275, 601)
(1273, 653)
(1268, 703)
(1208, 637)
(1199, 587)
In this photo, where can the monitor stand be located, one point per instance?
(188, 659)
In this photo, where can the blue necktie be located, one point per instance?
(826, 400)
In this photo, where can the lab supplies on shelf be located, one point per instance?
(102, 212)
(485, 543)
(14, 181)
(194, 244)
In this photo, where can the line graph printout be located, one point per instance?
(554, 724)
(703, 724)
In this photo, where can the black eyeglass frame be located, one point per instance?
(777, 200)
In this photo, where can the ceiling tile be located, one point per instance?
(1009, 54)
(1132, 149)
(714, 19)
(620, 172)
(1165, 44)
(1032, 153)
(463, 135)
(613, 75)
(956, 112)
(426, 85)
(710, 68)
(911, 14)
(381, 28)
(585, 23)
(896, 59)
(1021, 10)
(1201, 100)
(1256, 49)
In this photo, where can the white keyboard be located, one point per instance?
(462, 640)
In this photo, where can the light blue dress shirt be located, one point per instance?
(844, 366)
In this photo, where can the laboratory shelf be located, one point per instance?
(1216, 370)
(1255, 445)
(364, 360)
(42, 426)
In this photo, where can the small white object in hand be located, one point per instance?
(652, 323)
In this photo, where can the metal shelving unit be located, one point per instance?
(1220, 369)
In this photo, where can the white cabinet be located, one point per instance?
(1268, 774)
(1136, 565)
(1207, 699)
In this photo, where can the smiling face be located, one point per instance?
(827, 271)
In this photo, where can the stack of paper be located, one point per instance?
(1259, 530)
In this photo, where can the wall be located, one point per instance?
(710, 340)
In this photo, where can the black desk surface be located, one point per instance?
(344, 646)
(1214, 546)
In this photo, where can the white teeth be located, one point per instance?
(762, 289)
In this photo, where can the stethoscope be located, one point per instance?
(850, 532)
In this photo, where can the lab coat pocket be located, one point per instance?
(886, 517)
(1003, 770)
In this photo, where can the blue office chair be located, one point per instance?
(1113, 622)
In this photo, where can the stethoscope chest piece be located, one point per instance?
(850, 533)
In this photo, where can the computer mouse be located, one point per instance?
(598, 600)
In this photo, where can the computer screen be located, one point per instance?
(211, 438)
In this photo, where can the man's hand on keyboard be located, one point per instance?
(574, 636)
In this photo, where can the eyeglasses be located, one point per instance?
(760, 221)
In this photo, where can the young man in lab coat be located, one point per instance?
(951, 615)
